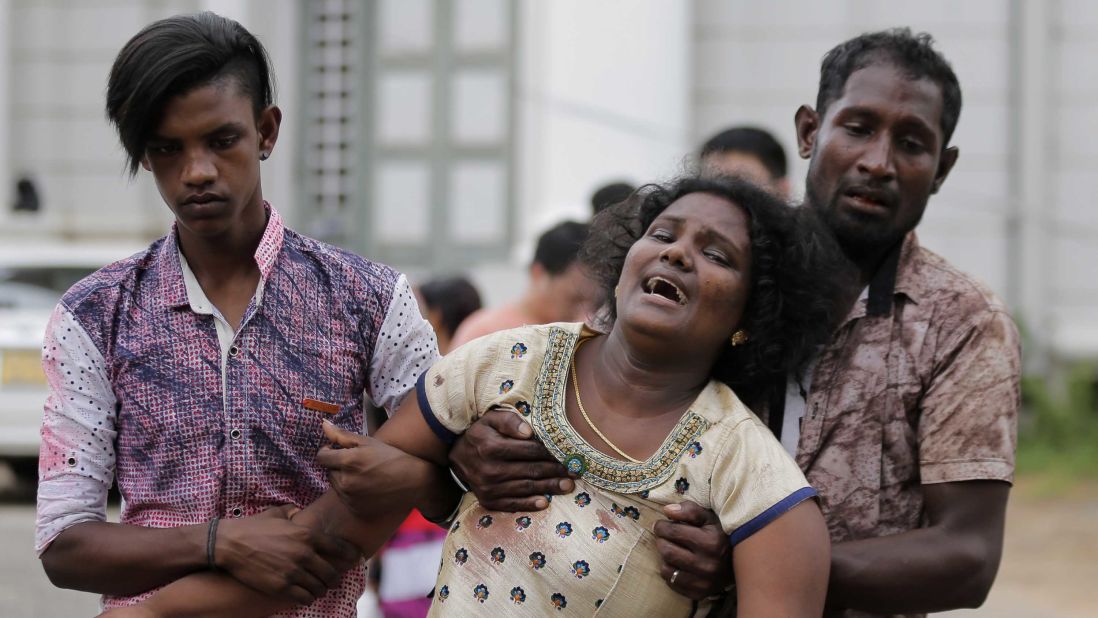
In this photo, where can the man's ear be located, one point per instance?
(945, 165)
(537, 272)
(145, 163)
(269, 121)
(807, 123)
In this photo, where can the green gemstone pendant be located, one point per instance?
(575, 464)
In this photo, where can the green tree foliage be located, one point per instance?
(1058, 433)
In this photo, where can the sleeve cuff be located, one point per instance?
(970, 470)
(436, 426)
(762, 519)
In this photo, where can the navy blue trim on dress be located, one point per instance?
(759, 521)
(440, 430)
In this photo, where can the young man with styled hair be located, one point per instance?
(196, 374)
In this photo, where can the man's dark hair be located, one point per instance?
(753, 141)
(173, 56)
(913, 54)
(610, 194)
(455, 297)
(792, 304)
(559, 245)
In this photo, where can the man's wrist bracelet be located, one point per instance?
(211, 543)
(464, 488)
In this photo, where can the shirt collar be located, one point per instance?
(172, 286)
(196, 297)
(172, 282)
(271, 244)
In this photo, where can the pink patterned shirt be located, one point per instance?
(195, 423)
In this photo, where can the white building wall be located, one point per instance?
(1072, 207)
(59, 56)
(621, 89)
(56, 58)
(6, 183)
(603, 94)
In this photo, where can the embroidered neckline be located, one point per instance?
(550, 421)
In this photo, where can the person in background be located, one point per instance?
(446, 302)
(748, 152)
(559, 289)
(406, 570)
(609, 194)
(26, 196)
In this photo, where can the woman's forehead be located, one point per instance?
(706, 210)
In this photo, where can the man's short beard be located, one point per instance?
(858, 241)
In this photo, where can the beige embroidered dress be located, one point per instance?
(592, 551)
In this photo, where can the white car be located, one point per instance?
(32, 279)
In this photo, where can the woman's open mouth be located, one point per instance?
(662, 287)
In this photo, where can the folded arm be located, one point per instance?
(129, 559)
(375, 483)
(949, 564)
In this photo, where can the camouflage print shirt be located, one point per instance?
(919, 385)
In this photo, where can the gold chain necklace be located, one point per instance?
(576, 386)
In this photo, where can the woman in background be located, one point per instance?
(446, 302)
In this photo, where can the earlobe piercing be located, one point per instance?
(263, 156)
(738, 338)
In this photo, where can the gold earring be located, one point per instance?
(738, 338)
(616, 288)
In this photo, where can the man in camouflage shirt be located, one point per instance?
(907, 423)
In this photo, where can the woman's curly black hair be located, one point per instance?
(792, 305)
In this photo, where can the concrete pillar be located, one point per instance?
(1030, 251)
(5, 111)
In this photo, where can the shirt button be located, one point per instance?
(235, 434)
(237, 512)
(233, 351)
